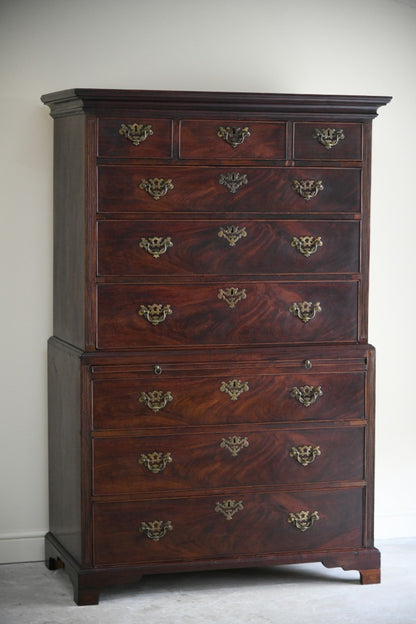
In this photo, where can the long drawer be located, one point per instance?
(234, 395)
(125, 465)
(236, 247)
(131, 316)
(128, 188)
(240, 523)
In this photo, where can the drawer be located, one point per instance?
(125, 465)
(188, 529)
(128, 188)
(331, 141)
(232, 140)
(232, 247)
(232, 313)
(129, 137)
(233, 395)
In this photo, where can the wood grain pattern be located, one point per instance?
(197, 248)
(199, 532)
(198, 400)
(307, 147)
(198, 139)
(199, 461)
(199, 317)
(111, 144)
(197, 189)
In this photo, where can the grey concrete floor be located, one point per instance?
(308, 593)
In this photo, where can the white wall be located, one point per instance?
(292, 46)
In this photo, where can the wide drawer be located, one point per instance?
(236, 247)
(237, 457)
(332, 141)
(129, 137)
(233, 395)
(232, 140)
(237, 523)
(131, 316)
(128, 188)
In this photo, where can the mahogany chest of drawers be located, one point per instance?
(211, 386)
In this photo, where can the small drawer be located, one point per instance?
(233, 458)
(221, 526)
(232, 313)
(128, 137)
(233, 395)
(331, 141)
(129, 189)
(232, 140)
(232, 247)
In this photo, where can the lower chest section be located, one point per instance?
(201, 457)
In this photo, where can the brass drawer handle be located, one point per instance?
(328, 137)
(307, 188)
(305, 454)
(136, 133)
(155, 400)
(232, 295)
(234, 444)
(305, 310)
(306, 395)
(156, 529)
(156, 187)
(156, 246)
(233, 136)
(303, 520)
(232, 233)
(155, 313)
(307, 245)
(155, 462)
(234, 388)
(229, 508)
(233, 181)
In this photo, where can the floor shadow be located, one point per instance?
(234, 579)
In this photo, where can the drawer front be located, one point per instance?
(331, 141)
(187, 529)
(129, 137)
(128, 188)
(232, 396)
(232, 140)
(232, 247)
(131, 316)
(226, 459)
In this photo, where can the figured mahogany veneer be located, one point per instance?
(198, 189)
(349, 147)
(263, 141)
(211, 389)
(197, 398)
(198, 316)
(252, 247)
(112, 144)
(200, 532)
(204, 461)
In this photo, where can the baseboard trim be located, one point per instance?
(22, 547)
(389, 526)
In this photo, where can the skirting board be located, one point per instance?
(389, 526)
(22, 547)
